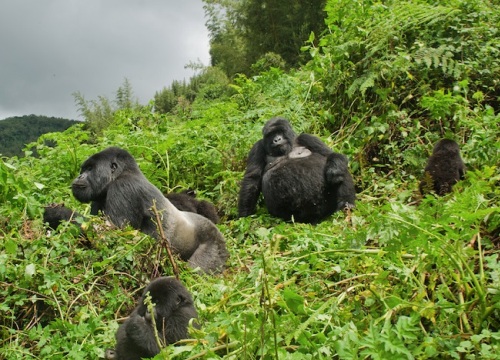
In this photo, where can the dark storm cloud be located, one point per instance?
(52, 48)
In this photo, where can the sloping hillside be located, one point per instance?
(16, 132)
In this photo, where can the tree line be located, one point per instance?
(18, 131)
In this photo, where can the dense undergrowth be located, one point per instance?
(401, 277)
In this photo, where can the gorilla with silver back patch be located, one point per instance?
(444, 168)
(186, 201)
(299, 176)
(115, 185)
(173, 309)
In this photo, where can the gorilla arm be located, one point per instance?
(137, 337)
(252, 180)
(337, 175)
(314, 144)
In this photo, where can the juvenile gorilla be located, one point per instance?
(173, 309)
(444, 168)
(54, 214)
(299, 176)
(186, 201)
(115, 185)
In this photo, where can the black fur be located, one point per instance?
(54, 214)
(444, 169)
(173, 310)
(337, 173)
(115, 185)
(186, 201)
(295, 176)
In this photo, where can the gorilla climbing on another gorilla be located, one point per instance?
(299, 176)
(186, 201)
(114, 184)
(173, 309)
(444, 168)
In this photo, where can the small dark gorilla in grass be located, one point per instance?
(186, 201)
(54, 214)
(444, 168)
(299, 176)
(173, 309)
(114, 184)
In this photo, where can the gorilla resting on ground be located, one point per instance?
(115, 185)
(173, 309)
(186, 201)
(299, 176)
(444, 168)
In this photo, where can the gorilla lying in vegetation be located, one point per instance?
(444, 168)
(173, 309)
(115, 185)
(299, 176)
(186, 201)
(54, 214)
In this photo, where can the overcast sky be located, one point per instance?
(50, 49)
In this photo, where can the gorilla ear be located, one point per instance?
(114, 166)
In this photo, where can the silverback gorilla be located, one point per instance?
(444, 168)
(115, 185)
(173, 309)
(299, 176)
(186, 201)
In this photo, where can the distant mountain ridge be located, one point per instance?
(17, 131)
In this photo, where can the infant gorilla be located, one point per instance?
(173, 309)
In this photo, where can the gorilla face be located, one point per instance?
(278, 137)
(98, 171)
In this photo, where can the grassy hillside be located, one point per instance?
(18, 131)
(401, 277)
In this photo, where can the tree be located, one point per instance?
(98, 114)
(243, 31)
(227, 43)
(281, 27)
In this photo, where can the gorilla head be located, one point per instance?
(173, 309)
(444, 168)
(115, 185)
(99, 171)
(295, 176)
(278, 137)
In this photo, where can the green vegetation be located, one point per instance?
(401, 277)
(17, 131)
(244, 35)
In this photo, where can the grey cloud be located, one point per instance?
(52, 48)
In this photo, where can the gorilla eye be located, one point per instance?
(180, 300)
